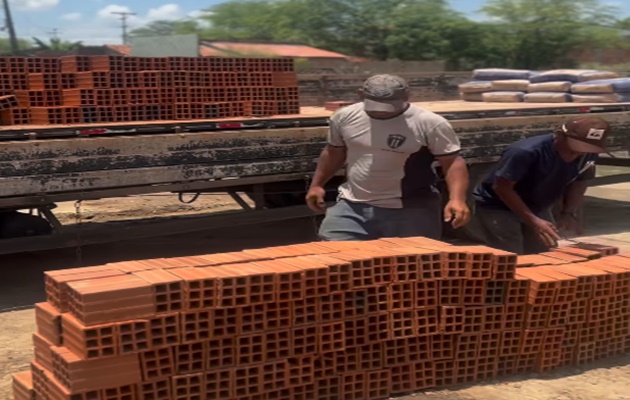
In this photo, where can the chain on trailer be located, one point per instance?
(79, 238)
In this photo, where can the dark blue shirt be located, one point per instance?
(541, 176)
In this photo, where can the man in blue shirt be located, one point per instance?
(513, 203)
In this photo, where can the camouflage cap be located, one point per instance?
(385, 93)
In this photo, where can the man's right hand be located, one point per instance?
(315, 199)
(547, 232)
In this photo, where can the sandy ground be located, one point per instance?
(607, 220)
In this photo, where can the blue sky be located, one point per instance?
(92, 22)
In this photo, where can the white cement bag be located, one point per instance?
(475, 87)
(563, 87)
(510, 85)
(602, 98)
(618, 85)
(547, 97)
(503, 97)
(471, 96)
(572, 75)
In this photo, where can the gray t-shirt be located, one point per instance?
(378, 150)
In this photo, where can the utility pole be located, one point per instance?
(11, 28)
(54, 34)
(123, 18)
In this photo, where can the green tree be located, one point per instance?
(245, 19)
(56, 44)
(5, 45)
(543, 33)
(166, 28)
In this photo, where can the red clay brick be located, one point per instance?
(168, 290)
(48, 320)
(23, 385)
(90, 342)
(42, 351)
(81, 375)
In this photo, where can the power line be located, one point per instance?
(123, 19)
(54, 33)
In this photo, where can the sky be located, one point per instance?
(92, 21)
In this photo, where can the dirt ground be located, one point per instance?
(607, 218)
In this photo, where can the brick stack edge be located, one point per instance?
(346, 320)
(106, 89)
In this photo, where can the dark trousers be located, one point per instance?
(504, 230)
(350, 221)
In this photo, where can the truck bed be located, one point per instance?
(153, 157)
(308, 117)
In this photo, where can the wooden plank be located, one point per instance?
(154, 144)
(159, 159)
(56, 183)
(448, 106)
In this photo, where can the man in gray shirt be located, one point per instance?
(388, 146)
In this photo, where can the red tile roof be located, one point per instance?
(209, 48)
(258, 49)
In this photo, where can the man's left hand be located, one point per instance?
(570, 222)
(457, 213)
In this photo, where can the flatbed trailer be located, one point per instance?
(263, 157)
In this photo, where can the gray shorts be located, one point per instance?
(350, 221)
(504, 230)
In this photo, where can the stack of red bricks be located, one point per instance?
(351, 320)
(106, 89)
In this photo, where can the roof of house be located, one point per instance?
(227, 48)
(264, 49)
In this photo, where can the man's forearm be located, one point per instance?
(457, 179)
(574, 196)
(330, 161)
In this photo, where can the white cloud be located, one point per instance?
(167, 11)
(35, 5)
(75, 16)
(105, 27)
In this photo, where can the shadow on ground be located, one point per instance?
(21, 275)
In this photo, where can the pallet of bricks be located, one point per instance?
(346, 320)
(111, 89)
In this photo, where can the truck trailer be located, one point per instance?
(270, 159)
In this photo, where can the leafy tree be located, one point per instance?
(543, 33)
(245, 19)
(56, 44)
(166, 28)
(5, 45)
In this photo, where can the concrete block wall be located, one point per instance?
(324, 320)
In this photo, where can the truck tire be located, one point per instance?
(14, 224)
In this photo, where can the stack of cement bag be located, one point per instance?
(514, 86)
(556, 86)
(615, 90)
(504, 85)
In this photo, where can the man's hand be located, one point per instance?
(457, 213)
(547, 232)
(570, 222)
(315, 199)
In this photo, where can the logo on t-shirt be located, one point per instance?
(395, 141)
